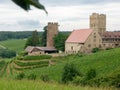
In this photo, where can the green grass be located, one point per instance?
(37, 57)
(14, 44)
(105, 63)
(39, 85)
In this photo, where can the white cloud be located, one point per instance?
(68, 17)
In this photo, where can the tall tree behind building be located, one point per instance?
(44, 36)
(59, 41)
(33, 40)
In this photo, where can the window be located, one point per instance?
(71, 47)
(89, 45)
(94, 36)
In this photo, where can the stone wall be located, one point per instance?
(52, 30)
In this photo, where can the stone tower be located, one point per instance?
(52, 30)
(98, 22)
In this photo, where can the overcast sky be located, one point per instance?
(70, 14)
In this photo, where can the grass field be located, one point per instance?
(106, 63)
(39, 85)
(13, 44)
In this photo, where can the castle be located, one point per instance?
(84, 40)
(52, 31)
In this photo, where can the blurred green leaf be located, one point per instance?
(25, 4)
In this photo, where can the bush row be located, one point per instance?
(70, 74)
(31, 76)
(30, 67)
(6, 53)
(30, 63)
(37, 57)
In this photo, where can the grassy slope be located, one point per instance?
(105, 62)
(14, 44)
(39, 85)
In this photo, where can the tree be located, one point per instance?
(59, 41)
(33, 40)
(44, 36)
(25, 4)
(5, 53)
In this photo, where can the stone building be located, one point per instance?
(84, 40)
(52, 30)
(98, 22)
(110, 39)
(36, 50)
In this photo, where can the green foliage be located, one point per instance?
(94, 50)
(44, 36)
(79, 81)
(33, 40)
(20, 76)
(5, 53)
(37, 57)
(32, 77)
(2, 63)
(59, 41)
(91, 74)
(69, 72)
(39, 85)
(25, 4)
(23, 53)
(115, 80)
(18, 62)
(44, 78)
(6, 35)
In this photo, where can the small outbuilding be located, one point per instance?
(36, 50)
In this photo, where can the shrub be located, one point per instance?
(115, 81)
(91, 74)
(69, 72)
(109, 48)
(45, 78)
(20, 76)
(5, 53)
(94, 50)
(79, 81)
(32, 77)
(23, 53)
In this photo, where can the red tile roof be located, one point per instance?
(79, 36)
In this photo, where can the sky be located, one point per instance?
(70, 14)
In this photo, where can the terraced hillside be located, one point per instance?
(20, 64)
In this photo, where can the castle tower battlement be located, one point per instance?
(98, 22)
(52, 31)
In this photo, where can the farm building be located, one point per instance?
(83, 40)
(35, 50)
